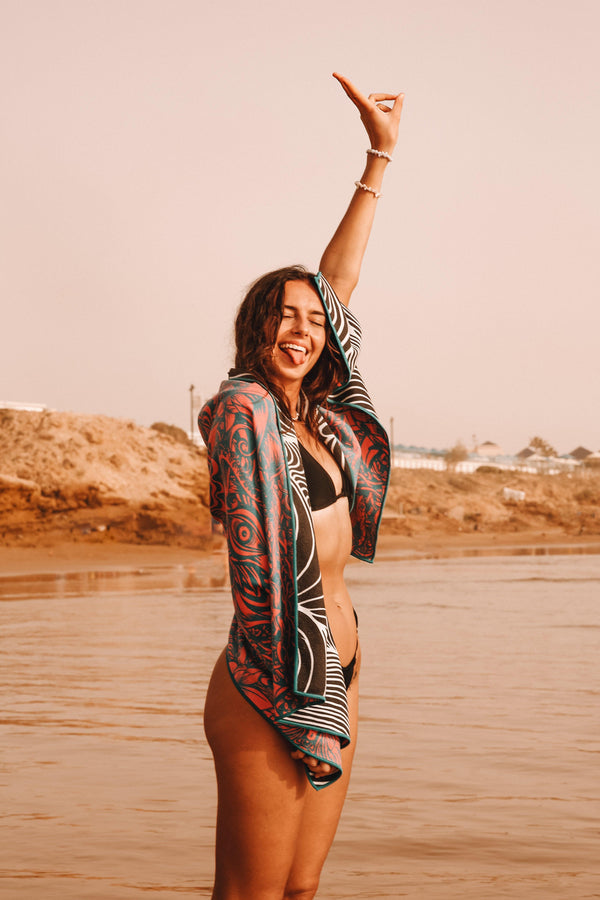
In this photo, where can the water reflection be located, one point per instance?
(205, 576)
(476, 770)
(484, 552)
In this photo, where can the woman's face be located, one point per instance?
(302, 334)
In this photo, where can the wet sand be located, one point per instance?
(477, 767)
(74, 556)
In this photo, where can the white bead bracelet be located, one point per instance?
(380, 153)
(365, 187)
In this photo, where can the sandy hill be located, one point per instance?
(491, 501)
(93, 478)
(63, 474)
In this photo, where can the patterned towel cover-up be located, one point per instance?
(280, 653)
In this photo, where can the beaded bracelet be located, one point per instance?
(380, 153)
(365, 187)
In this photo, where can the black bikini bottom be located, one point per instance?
(348, 671)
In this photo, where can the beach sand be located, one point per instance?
(70, 483)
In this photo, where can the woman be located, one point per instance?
(299, 468)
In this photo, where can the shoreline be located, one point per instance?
(434, 546)
(114, 556)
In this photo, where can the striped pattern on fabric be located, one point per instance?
(318, 672)
(348, 334)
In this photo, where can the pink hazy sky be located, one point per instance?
(158, 156)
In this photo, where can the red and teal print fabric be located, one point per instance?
(281, 654)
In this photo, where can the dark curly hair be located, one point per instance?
(256, 327)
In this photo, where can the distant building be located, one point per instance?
(489, 449)
(525, 453)
(23, 407)
(580, 453)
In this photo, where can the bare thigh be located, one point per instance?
(322, 811)
(261, 792)
(273, 829)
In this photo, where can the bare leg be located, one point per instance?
(261, 792)
(273, 829)
(320, 817)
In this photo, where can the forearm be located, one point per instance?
(343, 256)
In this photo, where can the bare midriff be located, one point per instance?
(333, 534)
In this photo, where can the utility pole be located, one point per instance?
(191, 412)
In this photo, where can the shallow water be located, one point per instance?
(477, 770)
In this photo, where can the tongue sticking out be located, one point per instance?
(296, 356)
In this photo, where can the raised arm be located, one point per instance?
(343, 255)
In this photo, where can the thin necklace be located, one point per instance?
(297, 416)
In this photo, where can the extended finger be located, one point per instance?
(351, 91)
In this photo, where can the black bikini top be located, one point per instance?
(321, 489)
